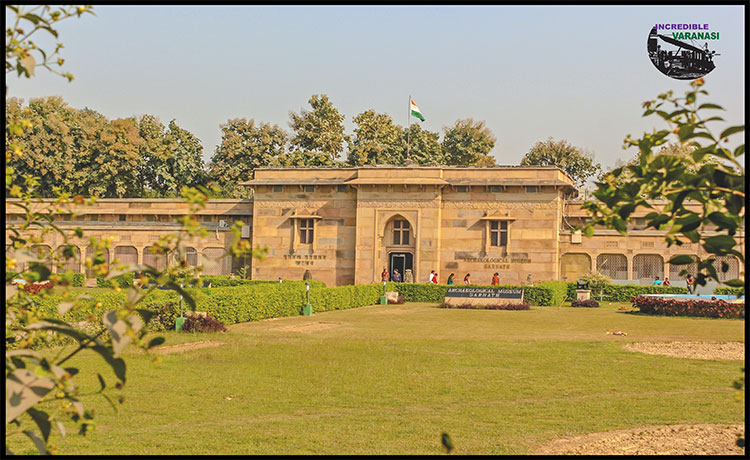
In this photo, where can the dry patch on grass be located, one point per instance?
(725, 351)
(701, 439)
(190, 346)
(310, 327)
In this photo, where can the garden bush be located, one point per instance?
(122, 281)
(224, 281)
(497, 306)
(584, 303)
(543, 295)
(738, 291)
(78, 279)
(701, 307)
(203, 324)
(626, 292)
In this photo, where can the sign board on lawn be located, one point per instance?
(483, 296)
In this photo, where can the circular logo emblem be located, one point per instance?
(682, 51)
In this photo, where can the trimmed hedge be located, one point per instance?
(702, 307)
(739, 291)
(124, 281)
(543, 295)
(229, 305)
(626, 292)
(78, 279)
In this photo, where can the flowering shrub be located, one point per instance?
(203, 324)
(36, 287)
(676, 307)
(584, 303)
(499, 306)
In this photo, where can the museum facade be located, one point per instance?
(346, 225)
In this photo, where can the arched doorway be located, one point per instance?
(399, 239)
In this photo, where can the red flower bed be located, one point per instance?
(686, 307)
(36, 287)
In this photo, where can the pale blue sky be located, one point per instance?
(576, 73)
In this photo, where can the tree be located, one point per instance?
(424, 146)
(170, 158)
(245, 146)
(468, 142)
(712, 176)
(318, 134)
(577, 164)
(377, 140)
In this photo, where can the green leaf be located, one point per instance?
(731, 130)
(719, 244)
(735, 283)
(33, 18)
(42, 421)
(722, 220)
(23, 389)
(38, 442)
(681, 260)
(156, 341)
(688, 222)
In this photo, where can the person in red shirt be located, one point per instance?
(435, 278)
(495, 279)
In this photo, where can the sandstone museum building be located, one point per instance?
(346, 225)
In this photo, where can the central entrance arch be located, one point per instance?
(400, 261)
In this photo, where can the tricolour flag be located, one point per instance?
(415, 110)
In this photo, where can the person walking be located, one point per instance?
(495, 279)
(450, 280)
(396, 278)
(435, 278)
(467, 279)
(657, 281)
(432, 276)
(384, 275)
(689, 281)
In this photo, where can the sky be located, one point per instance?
(578, 73)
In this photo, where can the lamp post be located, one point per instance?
(181, 319)
(307, 311)
(383, 298)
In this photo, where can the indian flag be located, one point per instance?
(415, 110)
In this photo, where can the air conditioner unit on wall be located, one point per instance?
(245, 231)
(576, 237)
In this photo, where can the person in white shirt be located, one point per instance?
(432, 276)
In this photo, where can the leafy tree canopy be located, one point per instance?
(577, 164)
(468, 142)
(318, 137)
(376, 140)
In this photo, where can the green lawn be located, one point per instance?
(389, 379)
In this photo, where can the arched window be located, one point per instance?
(90, 255)
(154, 259)
(214, 261)
(191, 256)
(646, 267)
(674, 270)
(72, 262)
(128, 255)
(732, 264)
(401, 231)
(613, 265)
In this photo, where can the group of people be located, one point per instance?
(688, 280)
(433, 278)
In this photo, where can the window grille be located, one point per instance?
(613, 265)
(191, 256)
(496, 188)
(308, 188)
(462, 188)
(70, 263)
(532, 189)
(648, 267)
(401, 232)
(90, 255)
(343, 188)
(213, 261)
(499, 233)
(306, 231)
(128, 255)
(674, 270)
(733, 271)
(278, 188)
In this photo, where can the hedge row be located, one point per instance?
(625, 292)
(124, 281)
(229, 305)
(739, 291)
(545, 294)
(702, 307)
